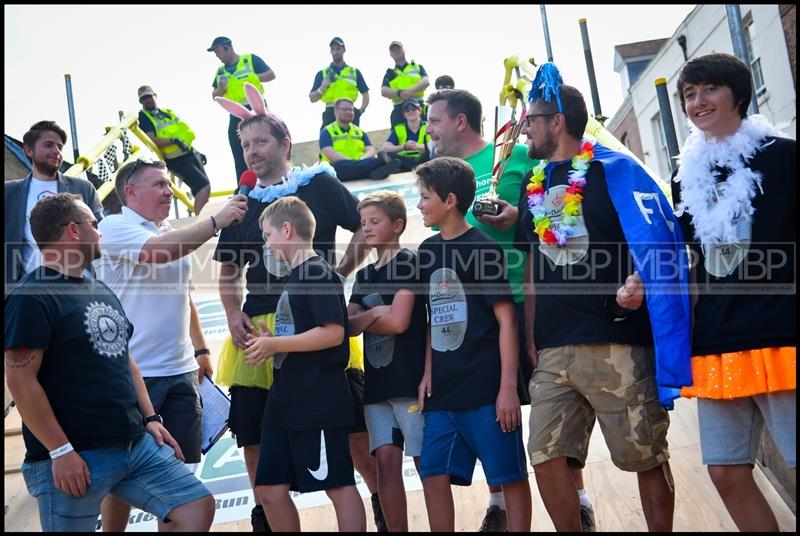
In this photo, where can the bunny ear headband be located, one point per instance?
(253, 97)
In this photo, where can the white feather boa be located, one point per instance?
(714, 206)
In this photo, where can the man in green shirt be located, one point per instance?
(454, 124)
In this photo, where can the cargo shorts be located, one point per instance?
(614, 383)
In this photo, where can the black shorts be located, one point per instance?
(355, 378)
(190, 171)
(307, 461)
(247, 409)
(177, 400)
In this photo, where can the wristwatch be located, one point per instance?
(154, 418)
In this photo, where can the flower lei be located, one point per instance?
(572, 198)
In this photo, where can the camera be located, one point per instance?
(485, 207)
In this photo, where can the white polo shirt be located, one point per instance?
(155, 296)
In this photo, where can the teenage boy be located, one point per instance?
(384, 308)
(469, 388)
(305, 429)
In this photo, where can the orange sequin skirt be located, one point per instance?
(741, 374)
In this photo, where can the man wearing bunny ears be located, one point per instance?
(229, 81)
(267, 144)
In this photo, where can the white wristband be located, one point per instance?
(60, 451)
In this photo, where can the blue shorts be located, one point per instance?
(730, 430)
(141, 474)
(453, 440)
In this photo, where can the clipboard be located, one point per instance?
(216, 409)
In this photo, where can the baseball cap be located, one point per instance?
(412, 102)
(145, 91)
(217, 42)
(336, 41)
(395, 44)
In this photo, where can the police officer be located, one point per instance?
(174, 138)
(336, 81)
(229, 82)
(406, 80)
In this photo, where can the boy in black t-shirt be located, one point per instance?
(305, 429)
(469, 387)
(384, 308)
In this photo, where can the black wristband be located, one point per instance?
(214, 223)
(202, 351)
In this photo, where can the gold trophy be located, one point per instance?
(507, 130)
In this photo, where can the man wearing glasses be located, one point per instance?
(42, 144)
(349, 149)
(145, 262)
(83, 403)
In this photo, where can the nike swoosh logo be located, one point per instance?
(322, 471)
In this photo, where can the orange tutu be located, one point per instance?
(740, 374)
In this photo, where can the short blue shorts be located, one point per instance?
(141, 474)
(454, 440)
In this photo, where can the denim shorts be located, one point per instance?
(453, 440)
(730, 430)
(139, 473)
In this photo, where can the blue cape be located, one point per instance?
(656, 244)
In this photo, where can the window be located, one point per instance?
(753, 53)
(662, 154)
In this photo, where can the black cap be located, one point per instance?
(218, 42)
(412, 102)
(336, 41)
(395, 44)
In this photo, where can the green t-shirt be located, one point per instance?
(508, 190)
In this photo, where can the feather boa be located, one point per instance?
(298, 176)
(714, 206)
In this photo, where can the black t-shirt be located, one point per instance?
(85, 373)
(310, 390)
(465, 277)
(750, 302)
(572, 296)
(393, 364)
(243, 245)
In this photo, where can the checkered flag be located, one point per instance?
(127, 146)
(102, 170)
(110, 156)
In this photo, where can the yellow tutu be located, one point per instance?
(232, 370)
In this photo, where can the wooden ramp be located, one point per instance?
(614, 493)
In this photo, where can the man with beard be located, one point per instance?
(267, 147)
(454, 118)
(83, 403)
(589, 217)
(43, 144)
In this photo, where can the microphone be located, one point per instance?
(247, 183)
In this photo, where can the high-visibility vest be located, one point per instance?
(405, 78)
(169, 126)
(349, 144)
(244, 73)
(345, 85)
(402, 137)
